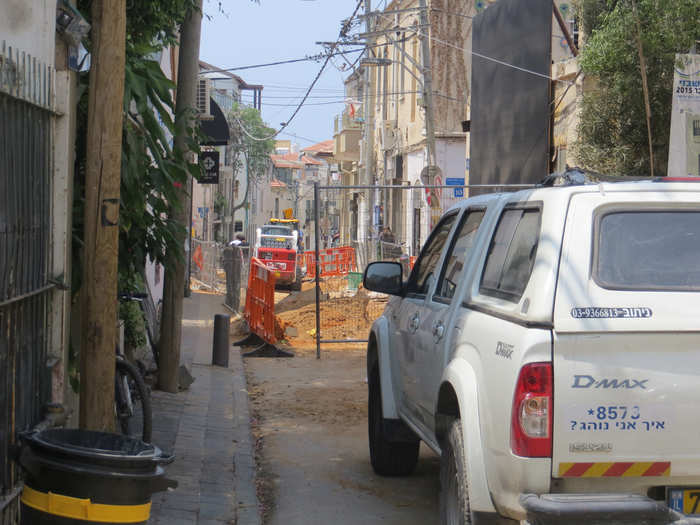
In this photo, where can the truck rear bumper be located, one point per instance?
(592, 509)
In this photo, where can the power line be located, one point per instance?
(310, 58)
(471, 51)
(339, 100)
(343, 34)
(300, 137)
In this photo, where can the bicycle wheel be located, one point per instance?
(132, 402)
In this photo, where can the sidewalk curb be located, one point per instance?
(243, 458)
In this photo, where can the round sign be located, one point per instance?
(429, 173)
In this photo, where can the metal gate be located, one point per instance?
(26, 122)
(371, 223)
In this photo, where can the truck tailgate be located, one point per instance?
(626, 346)
(626, 405)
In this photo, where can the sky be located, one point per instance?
(250, 33)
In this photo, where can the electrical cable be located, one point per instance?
(474, 53)
(309, 58)
(344, 98)
(343, 33)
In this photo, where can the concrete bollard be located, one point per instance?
(220, 348)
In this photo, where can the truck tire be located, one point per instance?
(454, 493)
(388, 458)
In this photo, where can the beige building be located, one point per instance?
(398, 140)
(390, 85)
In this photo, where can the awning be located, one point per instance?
(216, 128)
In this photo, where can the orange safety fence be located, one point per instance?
(333, 262)
(412, 261)
(260, 301)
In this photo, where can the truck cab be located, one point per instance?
(277, 246)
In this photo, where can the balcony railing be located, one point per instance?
(344, 121)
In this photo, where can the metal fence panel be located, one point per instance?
(26, 130)
(395, 231)
(207, 265)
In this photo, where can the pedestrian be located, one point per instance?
(239, 240)
(387, 236)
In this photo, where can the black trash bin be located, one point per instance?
(83, 476)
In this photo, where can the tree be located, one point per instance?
(151, 171)
(613, 130)
(252, 141)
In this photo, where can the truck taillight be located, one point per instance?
(531, 418)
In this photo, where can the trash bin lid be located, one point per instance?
(92, 444)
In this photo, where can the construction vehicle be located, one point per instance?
(277, 245)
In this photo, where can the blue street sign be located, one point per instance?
(454, 181)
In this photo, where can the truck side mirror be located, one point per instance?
(384, 277)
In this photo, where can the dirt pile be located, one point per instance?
(341, 318)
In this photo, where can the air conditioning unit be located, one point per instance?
(203, 98)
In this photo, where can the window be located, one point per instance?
(458, 254)
(648, 250)
(423, 273)
(238, 226)
(276, 230)
(511, 254)
(277, 207)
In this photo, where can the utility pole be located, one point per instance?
(368, 115)
(174, 285)
(102, 181)
(427, 82)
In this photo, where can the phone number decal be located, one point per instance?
(593, 312)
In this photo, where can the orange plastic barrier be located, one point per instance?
(333, 262)
(310, 261)
(260, 301)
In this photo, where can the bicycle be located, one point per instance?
(132, 401)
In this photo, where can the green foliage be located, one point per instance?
(151, 21)
(220, 203)
(130, 312)
(613, 130)
(251, 153)
(134, 324)
(152, 172)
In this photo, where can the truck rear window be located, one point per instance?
(649, 250)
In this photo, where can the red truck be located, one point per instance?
(277, 245)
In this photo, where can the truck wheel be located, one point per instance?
(454, 496)
(296, 285)
(389, 458)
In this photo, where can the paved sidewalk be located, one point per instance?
(207, 428)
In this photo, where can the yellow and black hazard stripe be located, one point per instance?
(84, 509)
(615, 469)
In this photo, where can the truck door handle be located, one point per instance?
(414, 323)
(438, 331)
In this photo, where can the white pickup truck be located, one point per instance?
(547, 345)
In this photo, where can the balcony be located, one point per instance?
(347, 134)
